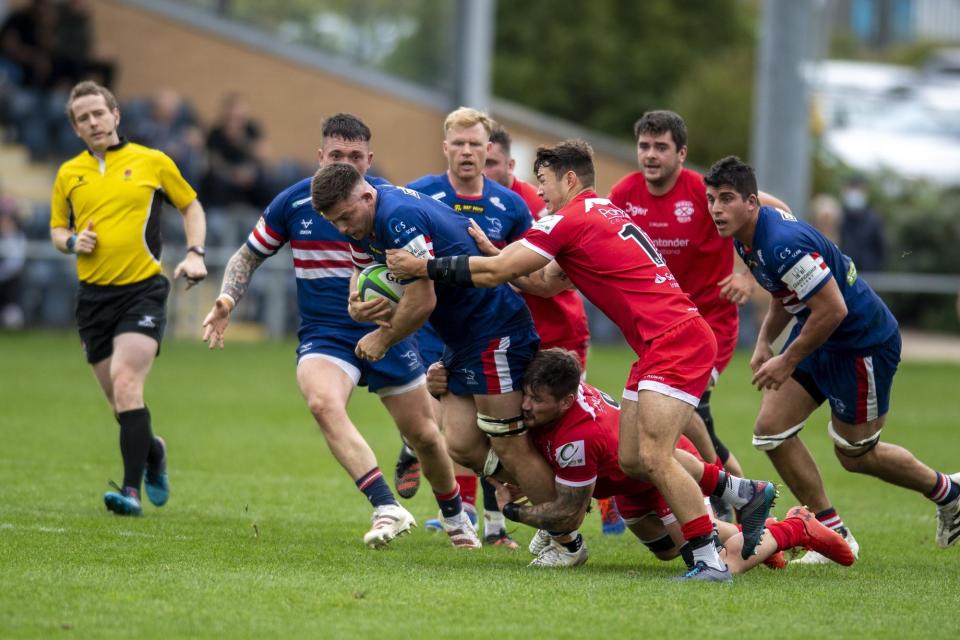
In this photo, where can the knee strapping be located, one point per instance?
(661, 544)
(852, 449)
(771, 442)
(501, 427)
(492, 464)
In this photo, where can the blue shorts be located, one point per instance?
(430, 344)
(493, 365)
(857, 385)
(399, 371)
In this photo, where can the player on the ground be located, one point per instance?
(668, 201)
(594, 245)
(488, 334)
(327, 368)
(844, 348)
(105, 209)
(575, 428)
(504, 217)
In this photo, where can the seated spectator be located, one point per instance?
(28, 39)
(13, 255)
(236, 152)
(168, 123)
(77, 54)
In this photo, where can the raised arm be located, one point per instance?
(236, 281)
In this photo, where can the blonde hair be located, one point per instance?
(465, 117)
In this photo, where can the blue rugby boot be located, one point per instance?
(702, 572)
(155, 479)
(753, 515)
(123, 502)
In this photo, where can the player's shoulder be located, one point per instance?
(377, 181)
(504, 198)
(427, 183)
(74, 164)
(291, 199)
(628, 184)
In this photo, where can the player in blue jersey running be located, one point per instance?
(844, 348)
(488, 333)
(504, 217)
(327, 368)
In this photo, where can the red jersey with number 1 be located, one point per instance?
(681, 228)
(615, 265)
(561, 320)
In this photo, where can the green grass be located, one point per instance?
(262, 536)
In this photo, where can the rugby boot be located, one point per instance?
(613, 524)
(815, 557)
(822, 539)
(754, 514)
(406, 475)
(948, 520)
(123, 501)
(156, 482)
(539, 542)
(388, 522)
(556, 555)
(461, 530)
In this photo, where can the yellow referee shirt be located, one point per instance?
(122, 196)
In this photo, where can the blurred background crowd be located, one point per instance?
(882, 77)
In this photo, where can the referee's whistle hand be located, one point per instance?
(192, 268)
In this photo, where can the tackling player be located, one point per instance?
(844, 348)
(488, 334)
(594, 245)
(327, 368)
(575, 428)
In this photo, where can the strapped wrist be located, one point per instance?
(453, 270)
(511, 511)
(230, 301)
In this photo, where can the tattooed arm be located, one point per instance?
(236, 281)
(565, 513)
(545, 282)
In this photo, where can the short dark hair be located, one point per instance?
(659, 122)
(90, 88)
(332, 184)
(734, 172)
(556, 370)
(500, 136)
(346, 126)
(570, 155)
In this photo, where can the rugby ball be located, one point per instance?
(376, 281)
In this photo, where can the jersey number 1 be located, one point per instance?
(630, 231)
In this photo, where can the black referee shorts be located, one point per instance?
(104, 311)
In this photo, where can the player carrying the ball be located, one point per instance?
(327, 368)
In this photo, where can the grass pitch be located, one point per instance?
(262, 535)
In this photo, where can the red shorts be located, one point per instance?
(677, 363)
(726, 345)
(650, 502)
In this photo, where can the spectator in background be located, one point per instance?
(237, 154)
(825, 213)
(861, 228)
(27, 40)
(13, 255)
(236, 172)
(77, 54)
(170, 124)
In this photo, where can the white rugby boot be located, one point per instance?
(389, 522)
(540, 542)
(812, 557)
(462, 532)
(948, 520)
(556, 555)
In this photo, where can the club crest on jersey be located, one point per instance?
(571, 454)
(495, 230)
(495, 201)
(547, 223)
(683, 209)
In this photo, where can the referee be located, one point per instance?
(106, 209)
